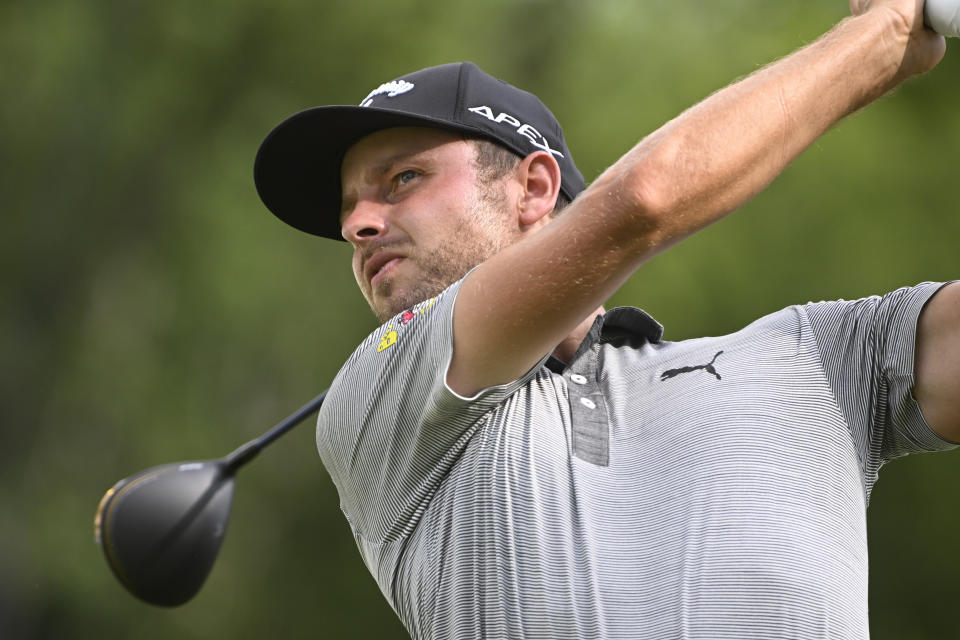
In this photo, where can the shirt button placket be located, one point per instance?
(590, 428)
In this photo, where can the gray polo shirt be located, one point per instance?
(711, 488)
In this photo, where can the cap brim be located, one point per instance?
(297, 169)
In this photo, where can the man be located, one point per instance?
(513, 460)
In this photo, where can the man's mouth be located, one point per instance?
(380, 265)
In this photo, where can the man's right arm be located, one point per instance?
(520, 304)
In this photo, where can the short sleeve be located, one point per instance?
(391, 429)
(867, 351)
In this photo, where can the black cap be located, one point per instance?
(297, 170)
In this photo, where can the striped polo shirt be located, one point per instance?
(711, 488)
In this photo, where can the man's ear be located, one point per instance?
(539, 177)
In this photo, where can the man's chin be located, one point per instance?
(382, 316)
(385, 311)
(399, 301)
(385, 308)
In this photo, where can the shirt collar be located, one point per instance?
(633, 321)
(617, 323)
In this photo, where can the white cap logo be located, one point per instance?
(536, 138)
(392, 89)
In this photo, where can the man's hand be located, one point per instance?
(922, 48)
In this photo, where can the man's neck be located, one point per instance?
(569, 345)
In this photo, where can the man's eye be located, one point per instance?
(405, 177)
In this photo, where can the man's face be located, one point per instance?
(416, 216)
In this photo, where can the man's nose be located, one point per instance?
(366, 220)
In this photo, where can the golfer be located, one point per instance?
(514, 460)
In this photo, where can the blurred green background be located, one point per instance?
(153, 311)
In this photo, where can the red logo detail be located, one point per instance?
(408, 315)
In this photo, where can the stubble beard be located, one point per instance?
(451, 259)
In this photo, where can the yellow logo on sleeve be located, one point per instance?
(388, 340)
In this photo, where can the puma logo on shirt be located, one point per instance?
(706, 367)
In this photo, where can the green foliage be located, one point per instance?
(154, 311)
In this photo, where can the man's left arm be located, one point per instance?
(937, 362)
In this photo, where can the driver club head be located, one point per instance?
(161, 529)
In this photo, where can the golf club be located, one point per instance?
(161, 529)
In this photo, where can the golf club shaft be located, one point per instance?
(246, 452)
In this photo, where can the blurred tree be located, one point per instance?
(154, 311)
